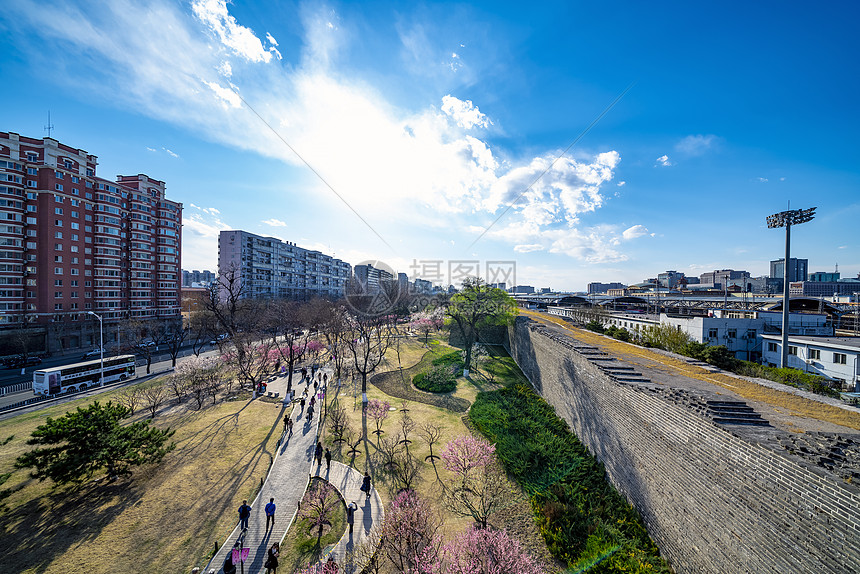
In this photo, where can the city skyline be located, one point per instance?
(430, 121)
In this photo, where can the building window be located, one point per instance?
(840, 358)
(771, 347)
(733, 334)
(792, 350)
(58, 306)
(58, 210)
(712, 333)
(58, 186)
(815, 354)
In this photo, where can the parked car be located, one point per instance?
(19, 361)
(94, 354)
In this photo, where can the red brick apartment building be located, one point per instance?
(72, 242)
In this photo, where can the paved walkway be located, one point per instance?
(370, 513)
(286, 483)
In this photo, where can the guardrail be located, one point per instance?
(16, 388)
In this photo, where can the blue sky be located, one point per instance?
(429, 120)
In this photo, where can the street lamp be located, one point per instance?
(101, 349)
(787, 219)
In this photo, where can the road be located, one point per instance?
(160, 364)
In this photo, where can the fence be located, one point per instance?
(17, 388)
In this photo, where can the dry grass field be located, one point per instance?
(164, 518)
(169, 518)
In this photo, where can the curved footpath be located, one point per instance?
(286, 483)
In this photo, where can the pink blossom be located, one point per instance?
(486, 551)
(467, 452)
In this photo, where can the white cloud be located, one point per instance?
(239, 39)
(663, 161)
(634, 232)
(840, 247)
(170, 153)
(275, 222)
(528, 248)
(200, 229)
(151, 149)
(464, 113)
(271, 39)
(761, 179)
(420, 164)
(621, 183)
(696, 145)
(228, 97)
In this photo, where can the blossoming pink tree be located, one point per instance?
(480, 487)
(486, 551)
(410, 534)
(378, 411)
(318, 505)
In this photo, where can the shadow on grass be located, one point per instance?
(43, 529)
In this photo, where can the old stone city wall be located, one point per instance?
(712, 500)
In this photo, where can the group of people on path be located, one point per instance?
(272, 557)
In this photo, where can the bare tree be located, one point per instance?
(178, 386)
(404, 469)
(365, 557)
(153, 397)
(369, 339)
(430, 433)
(407, 425)
(388, 448)
(130, 398)
(289, 319)
(337, 418)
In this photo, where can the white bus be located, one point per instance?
(82, 376)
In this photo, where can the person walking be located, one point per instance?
(302, 402)
(310, 415)
(290, 425)
(365, 484)
(272, 559)
(327, 460)
(325, 378)
(286, 421)
(318, 453)
(244, 515)
(270, 513)
(313, 400)
(350, 515)
(304, 373)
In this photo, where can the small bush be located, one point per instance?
(595, 326)
(452, 359)
(439, 379)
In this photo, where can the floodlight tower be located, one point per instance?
(787, 219)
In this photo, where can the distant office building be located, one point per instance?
(545, 290)
(370, 279)
(598, 288)
(269, 267)
(797, 269)
(821, 276)
(501, 286)
(73, 243)
(423, 286)
(670, 279)
(720, 279)
(824, 288)
(522, 290)
(190, 278)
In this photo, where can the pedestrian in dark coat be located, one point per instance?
(365, 484)
(244, 515)
(318, 453)
(290, 425)
(350, 515)
(327, 460)
(272, 559)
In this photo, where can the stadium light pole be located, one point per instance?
(101, 349)
(787, 219)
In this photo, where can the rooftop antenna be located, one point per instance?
(49, 127)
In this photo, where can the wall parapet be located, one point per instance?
(714, 498)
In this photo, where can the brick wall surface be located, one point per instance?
(712, 500)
